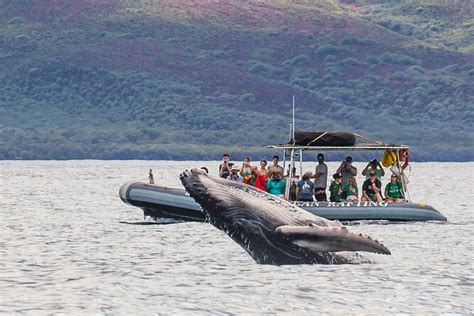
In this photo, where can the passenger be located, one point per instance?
(393, 190)
(263, 167)
(245, 169)
(256, 179)
(346, 170)
(305, 188)
(371, 189)
(275, 167)
(335, 189)
(234, 174)
(374, 165)
(351, 193)
(320, 179)
(224, 167)
(276, 185)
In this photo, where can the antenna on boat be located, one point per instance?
(293, 122)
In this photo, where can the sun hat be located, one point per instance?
(235, 168)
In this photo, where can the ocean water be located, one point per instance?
(64, 249)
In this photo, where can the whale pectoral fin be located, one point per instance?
(330, 239)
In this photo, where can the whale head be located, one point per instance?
(270, 229)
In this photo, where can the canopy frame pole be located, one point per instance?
(301, 163)
(290, 174)
(404, 189)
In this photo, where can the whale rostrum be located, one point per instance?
(270, 229)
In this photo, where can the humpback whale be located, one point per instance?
(270, 229)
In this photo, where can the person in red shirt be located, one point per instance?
(256, 179)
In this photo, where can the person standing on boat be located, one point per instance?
(305, 188)
(320, 179)
(234, 175)
(246, 169)
(347, 170)
(373, 165)
(275, 167)
(263, 167)
(335, 189)
(371, 189)
(224, 167)
(393, 190)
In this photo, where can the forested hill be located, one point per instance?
(165, 79)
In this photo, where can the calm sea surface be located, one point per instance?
(63, 249)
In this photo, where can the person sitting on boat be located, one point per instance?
(256, 179)
(263, 167)
(305, 188)
(320, 179)
(275, 167)
(246, 169)
(234, 174)
(374, 165)
(346, 170)
(350, 190)
(371, 189)
(224, 167)
(335, 189)
(393, 190)
(276, 185)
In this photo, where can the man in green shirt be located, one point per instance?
(373, 165)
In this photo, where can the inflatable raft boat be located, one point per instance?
(171, 203)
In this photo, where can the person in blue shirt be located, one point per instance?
(305, 188)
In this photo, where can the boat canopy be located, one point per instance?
(363, 143)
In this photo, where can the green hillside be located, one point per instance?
(152, 79)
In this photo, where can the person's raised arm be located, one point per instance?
(364, 172)
(382, 172)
